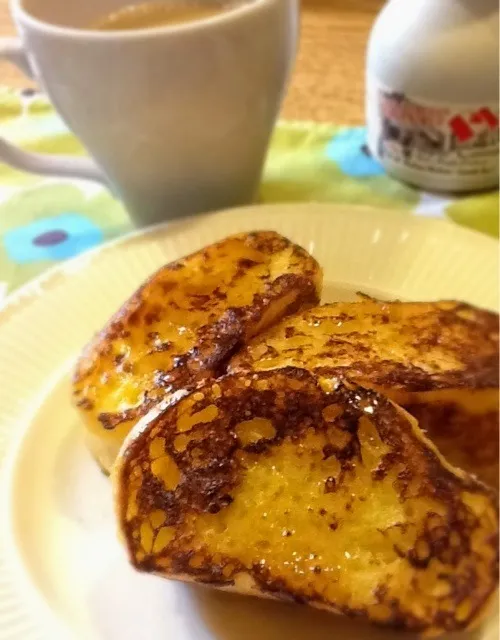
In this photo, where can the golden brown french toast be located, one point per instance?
(183, 324)
(437, 359)
(287, 484)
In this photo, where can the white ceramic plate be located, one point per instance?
(63, 573)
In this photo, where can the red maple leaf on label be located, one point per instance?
(485, 116)
(461, 128)
(489, 117)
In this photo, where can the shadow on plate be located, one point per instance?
(232, 617)
(82, 492)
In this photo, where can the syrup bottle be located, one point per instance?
(432, 93)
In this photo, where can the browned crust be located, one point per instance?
(217, 328)
(467, 440)
(460, 331)
(228, 330)
(478, 373)
(410, 351)
(295, 400)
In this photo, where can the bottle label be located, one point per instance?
(451, 142)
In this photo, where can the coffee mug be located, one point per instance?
(176, 119)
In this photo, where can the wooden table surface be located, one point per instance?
(328, 83)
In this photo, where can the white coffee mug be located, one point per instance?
(177, 118)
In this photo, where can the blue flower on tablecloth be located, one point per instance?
(55, 238)
(349, 150)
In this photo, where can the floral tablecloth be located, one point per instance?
(43, 221)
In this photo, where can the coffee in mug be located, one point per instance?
(156, 14)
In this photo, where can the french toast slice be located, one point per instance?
(182, 326)
(439, 360)
(288, 484)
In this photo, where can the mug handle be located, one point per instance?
(12, 50)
